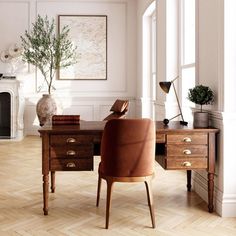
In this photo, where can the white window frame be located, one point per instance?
(186, 105)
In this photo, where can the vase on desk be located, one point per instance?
(46, 108)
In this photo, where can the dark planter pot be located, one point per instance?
(200, 119)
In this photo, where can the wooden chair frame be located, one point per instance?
(110, 181)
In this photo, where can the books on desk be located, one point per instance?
(66, 120)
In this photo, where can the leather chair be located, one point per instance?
(127, 155)
(119, 109)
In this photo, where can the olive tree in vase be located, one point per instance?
(48, 51)
(201, 95)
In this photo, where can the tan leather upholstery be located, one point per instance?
(120, 106)
(127, 148)
(127, 155)
(119, 109)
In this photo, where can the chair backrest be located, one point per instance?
(128, 148)
(119, 109)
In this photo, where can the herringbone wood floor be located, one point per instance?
(72, 207)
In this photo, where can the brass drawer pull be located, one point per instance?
(187, 164)
(187, 140)
(70, 164)
(71, 140)
(70, 153)
(187, 152)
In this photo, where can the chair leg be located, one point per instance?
(98, 190)
(150, 202)
(108, 205)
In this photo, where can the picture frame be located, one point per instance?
(89, 34)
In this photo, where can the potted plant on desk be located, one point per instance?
(201, 95)
(48, 51)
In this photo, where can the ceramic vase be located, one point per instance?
(45, 109)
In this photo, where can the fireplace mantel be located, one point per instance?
(15, 88)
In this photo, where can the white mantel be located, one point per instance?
(14, 88)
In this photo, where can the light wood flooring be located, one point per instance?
(72, 209)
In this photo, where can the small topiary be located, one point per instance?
(201, 95)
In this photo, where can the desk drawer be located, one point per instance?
(160, 138)
(71, 164)
(187, 138)
(186, 163)
(79, 151)
(187, 150)
(70, 139)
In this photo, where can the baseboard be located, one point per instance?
(33, 130)
(228, 205)
(225, 204)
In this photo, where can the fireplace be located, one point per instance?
(5, 115)
(11, 109)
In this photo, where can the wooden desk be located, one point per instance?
(71, 148)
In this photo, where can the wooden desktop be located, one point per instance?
(72, 147)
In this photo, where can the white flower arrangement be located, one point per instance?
(13, 51)
(5, 57)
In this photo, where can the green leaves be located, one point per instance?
(47, 50)
(201, 95)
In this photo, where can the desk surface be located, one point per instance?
(98, 126)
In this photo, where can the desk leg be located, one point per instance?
(45, 193)
(210, 192)
(189, 175)
(53, 181)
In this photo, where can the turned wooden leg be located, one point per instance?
(210, 192)
(150, 202)
(53, 181)
(45, 193)
(189, 175)
(108, 205)
(98, 190)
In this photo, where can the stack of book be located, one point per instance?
(65, 120)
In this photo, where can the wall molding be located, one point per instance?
(90, 108)
(96, 88)
(224, 190)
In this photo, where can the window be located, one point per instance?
(153, 56)
(187, 55)
(149, 61)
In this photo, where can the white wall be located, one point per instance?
(208, 52)
(216, 68)
(142, 101)
(142, 5)
(228, 18)
(167, 55)
(161, 57)
(91, 99)
(208, 74)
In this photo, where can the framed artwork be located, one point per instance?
(89, 34)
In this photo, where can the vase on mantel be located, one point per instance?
(45, 109)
